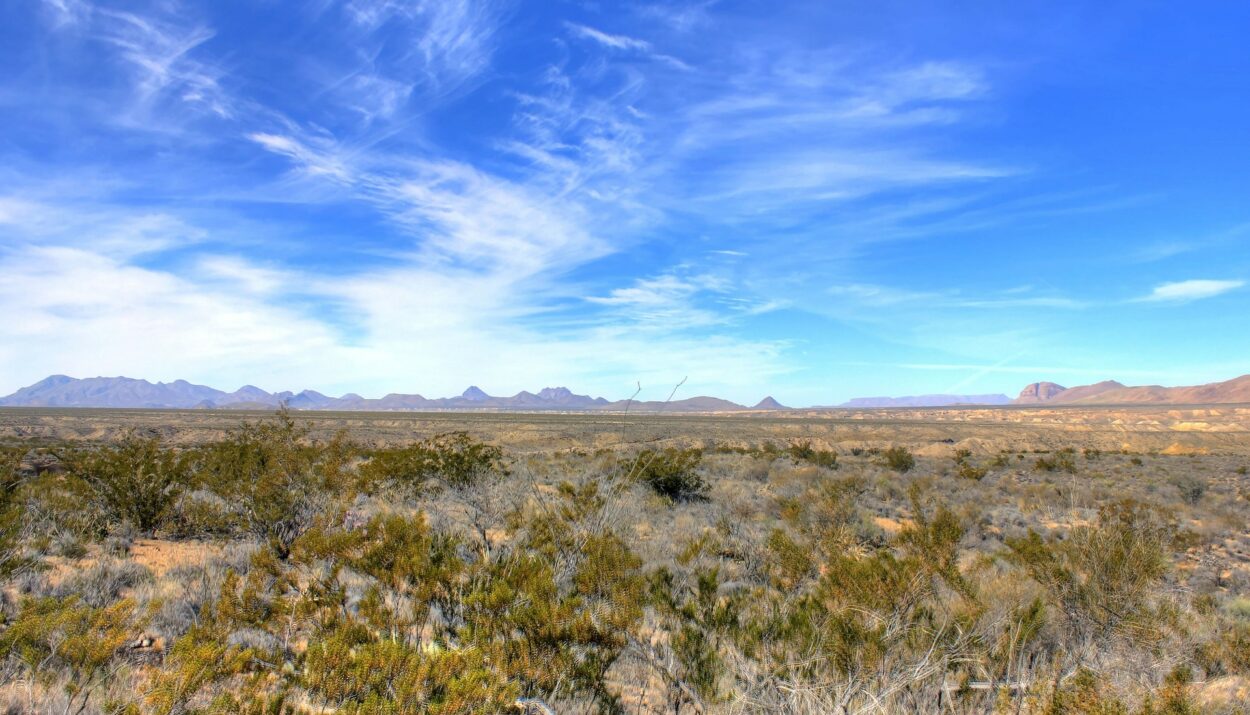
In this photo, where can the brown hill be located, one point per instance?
(1039, 392)
(1111, 392)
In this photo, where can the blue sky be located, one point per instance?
(812, 200)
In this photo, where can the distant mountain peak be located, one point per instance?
(926, 401)
(474, 393)
(768, 403)
(555, 393)
(1039, 392)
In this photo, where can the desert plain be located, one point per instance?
(1023, 559)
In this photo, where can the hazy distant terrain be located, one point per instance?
(125, 392)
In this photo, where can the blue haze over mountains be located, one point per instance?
(125, 392)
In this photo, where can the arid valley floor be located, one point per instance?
(1011, 559)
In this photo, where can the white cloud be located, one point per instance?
(616, 42)
(1185, 291)
(624, 43)
(314, 162)
(160, 54)
(453, 40)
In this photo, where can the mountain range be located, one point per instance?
(1110, 392)
(126, 392)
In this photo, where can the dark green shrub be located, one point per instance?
(456, 458)
(277, 480)
(899, 459)
(1061, 462)
(10, 511)
(135, 481)
(803, 451)
(671, 472)
(1191, 488)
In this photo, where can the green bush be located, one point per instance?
(968, 470)
(1061, 462)
(276, 478)
(803, 451)
(456, 458)
(899, 459)
(10, 511)
(671, 472)
(135, 481)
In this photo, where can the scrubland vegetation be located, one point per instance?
(270, 573)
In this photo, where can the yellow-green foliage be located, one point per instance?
(1101, 576)
(53, 635)
(10, 511)
(456, 458)
(278, 479)
(353, 671)
(136, 480)
(899, 459)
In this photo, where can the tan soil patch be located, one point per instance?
(161, 556)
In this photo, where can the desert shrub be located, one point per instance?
(412, 561)
(357, 673)
(65, 637)
(1103, 577)
(1084, 694)
(968, 470)
(671, 472)
(11, 558)
(456, 458)
(803, 451)
(899, 459)
(791, 562)
(1191, 488)
(1060, 462)
(200, 514)
(276, 479)
(56, 507)
(136, 480)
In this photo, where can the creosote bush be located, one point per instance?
(279, 481)
(135, 481)
(803, 451)
(671, 472)
(899, 459)
(456, 458)
(10, 511)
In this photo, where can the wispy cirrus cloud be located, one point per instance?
(450, 42)
(1191, 290)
